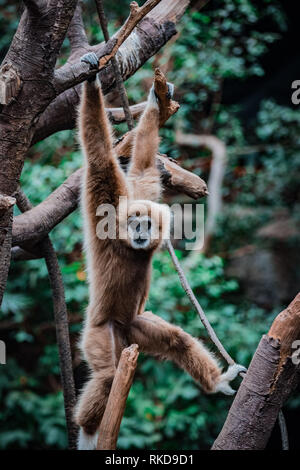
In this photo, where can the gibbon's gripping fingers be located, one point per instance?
(92, 60)
(231, 373)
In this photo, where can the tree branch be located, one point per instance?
(111, 421)
(119, 81)
(71, 74)
(37, 223)
(271, 377)
(150, 35)
(76, 32)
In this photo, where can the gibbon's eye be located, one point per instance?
(138, 228)
(149, 224)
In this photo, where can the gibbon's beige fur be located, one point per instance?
(119, 269)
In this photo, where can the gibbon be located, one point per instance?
(119, 269)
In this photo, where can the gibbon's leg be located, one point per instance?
(105, 180)
(157, 337)
(101, 350)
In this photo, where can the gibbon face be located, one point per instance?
(144, 224)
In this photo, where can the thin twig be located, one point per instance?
(61, 324)
(191, 296)
(119, 81)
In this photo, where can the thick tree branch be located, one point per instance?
(272, 375)
(111, 421)
(37, 223)
(76, 32)
(71, 74)
(146, 39)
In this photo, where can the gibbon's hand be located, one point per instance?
(92, 60)
(231, 373)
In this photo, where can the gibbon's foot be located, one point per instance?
(92, 60)
(87, 441)
(231, 373)
(153, 96)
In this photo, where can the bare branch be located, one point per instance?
(271, 377)
(72, 74)
(119, 81)
(40, 220)
(111, 421)
(76, 32)
(148, 38)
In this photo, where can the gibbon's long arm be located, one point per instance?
(105, 179)
(146, 139)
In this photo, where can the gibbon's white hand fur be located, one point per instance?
(119, 269)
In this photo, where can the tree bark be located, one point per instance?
(146, 39)
(111, 421)
(6, 218)
(273, 374)
(32, 57)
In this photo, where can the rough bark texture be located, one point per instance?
(270, 379)
(111, 421)
(32, 56)
(146, 39)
